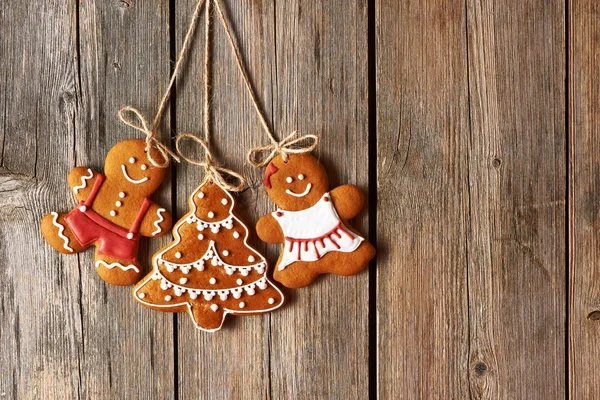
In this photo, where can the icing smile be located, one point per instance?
(137, 182)
(306, 191)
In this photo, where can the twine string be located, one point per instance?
(141, 124)
(261, 155)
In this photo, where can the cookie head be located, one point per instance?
(296, 184)
(127, 163)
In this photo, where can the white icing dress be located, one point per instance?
(314, 232)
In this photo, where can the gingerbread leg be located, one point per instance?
(207, 318)
(57, 233)
(116, 271)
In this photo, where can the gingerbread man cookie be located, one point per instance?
(311, 222)
(113, 212)
(209, 270)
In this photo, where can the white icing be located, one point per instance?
(131, 160)
(224, 202)
(83, 208)
(134, 181)
(178, 255)
(213, 281)
(214, 226)
(211, 214)
(242, 304)
(239, 281)
(200, 236)
(225, 253)
(301, 177)
(271, 300)
(251, 259)
(214, 307)
(118, 204)
(201, 195)
(122, 195)
(141, 295)
(158, 221)
(116, 264)
(183, 281)
(236, 235)
(84, 180)
(289, 179)
(168, 298)
(130, 235)
(60, 231)
(307, 225)
(144, 167)
(208, 294)
(306, 191)
(113, 213)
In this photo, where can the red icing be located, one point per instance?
(321, 240)
(326, 199)
(88, 227)
(279, 213)
(271, 169)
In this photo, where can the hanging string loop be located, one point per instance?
(220, 175)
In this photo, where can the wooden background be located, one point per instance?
(472, 124)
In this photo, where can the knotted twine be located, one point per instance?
(141, 124)
(262, 155)
(213, 171)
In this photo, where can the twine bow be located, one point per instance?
(287, 146)
(151, 141)
(215, 172)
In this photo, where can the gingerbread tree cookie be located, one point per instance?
(311, 222)
(114, 211)
(209, 270)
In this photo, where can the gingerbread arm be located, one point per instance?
(81, 181)
(348, 201)
(156, 222)
(268, 230)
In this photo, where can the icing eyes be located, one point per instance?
(289, 179)
(144, 167)
(131, 160)
(300, 177)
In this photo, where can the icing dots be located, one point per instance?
(131, 160)
(236, 235)
(141, 295)
(144, 167)
(239, 282)
(224, 202)
(130, 235)
(225, 253)
(214, 307)
(83, 208)
(201, 195)
(300, 177)
(289, 179)
(168, 298)
(118, 204)
(113, 213)
(183, 281)
(122, 195)
(271, 301)
(200, 236)
(242, 304)
(212, 281)
(211, 214)
(178, 254)
(251, 259)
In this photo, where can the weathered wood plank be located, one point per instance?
(422, 217)
(40, 327)
(232, 363)
(517, 179)
(584, 186)
(320, 340)
(127, 350)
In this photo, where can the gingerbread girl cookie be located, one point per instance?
(209, 270)
(311, 222)
(114, 211)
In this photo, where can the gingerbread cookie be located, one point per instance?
(312, 222)
(209, 270)
(113, 212)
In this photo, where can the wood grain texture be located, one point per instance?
(517, 179)
(584, 186)
(65, 333)
(320, 340)
(423, 204)
(40, 317)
